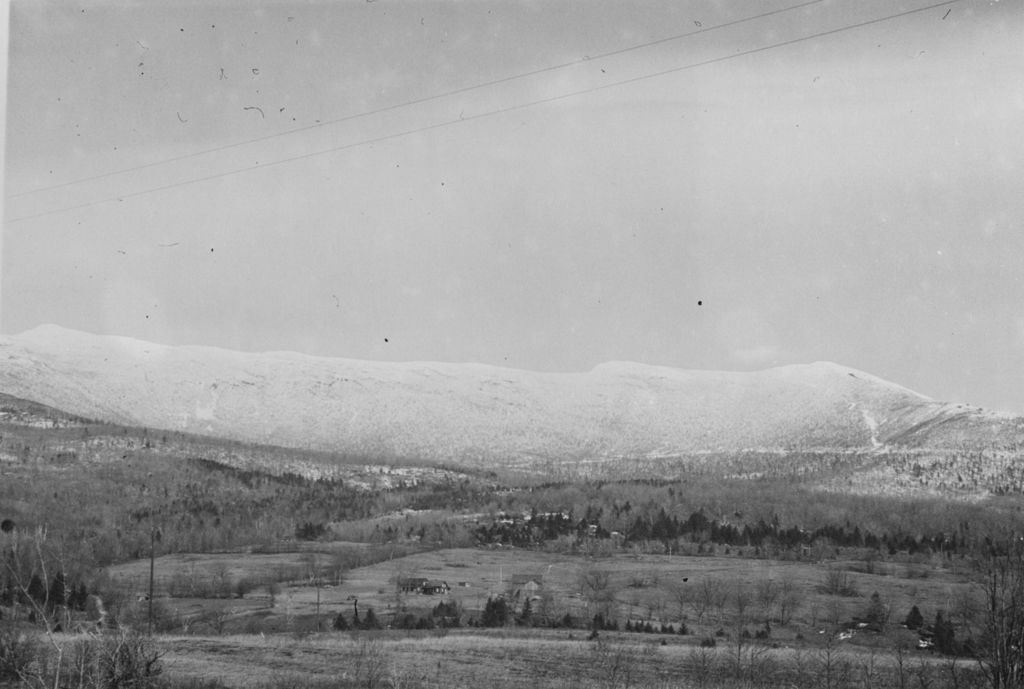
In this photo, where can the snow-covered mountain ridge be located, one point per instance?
(478, 414)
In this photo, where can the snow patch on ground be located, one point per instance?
(872, 425)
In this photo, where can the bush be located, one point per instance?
(121, 660)
(17, 651)
(708, 642)
(308, 531)
(126, 660)
(405, 620)
(838, 583)
(243, 586)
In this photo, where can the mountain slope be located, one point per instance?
(473, 413)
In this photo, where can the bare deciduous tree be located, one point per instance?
(742, 597)
(788, 602)
(1001, 653)
(681, 593)
(767, 595)
(596, 586)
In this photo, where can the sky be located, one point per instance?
(707, 184)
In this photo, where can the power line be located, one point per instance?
(418, 101)
(498, 111)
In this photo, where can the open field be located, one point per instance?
(701, 592)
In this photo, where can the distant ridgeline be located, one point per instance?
(845, 429)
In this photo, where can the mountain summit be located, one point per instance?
(482, 415)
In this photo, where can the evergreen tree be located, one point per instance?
(37, 589)
(876, 614)
(944, 635)
(340, 623)
(370, 621)
(77, 595)
(526, 617)
(914, 619)
(496, 613)
(58, 591)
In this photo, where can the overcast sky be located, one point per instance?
(629, 181)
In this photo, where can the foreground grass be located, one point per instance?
(539, 660)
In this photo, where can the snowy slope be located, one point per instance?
(458, 412)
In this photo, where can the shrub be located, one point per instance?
(708, 642)
(126, 660)
(446, 609)
(122, 660)
(17, 651)
(405, 620)
(243, 586)
(838, 583)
